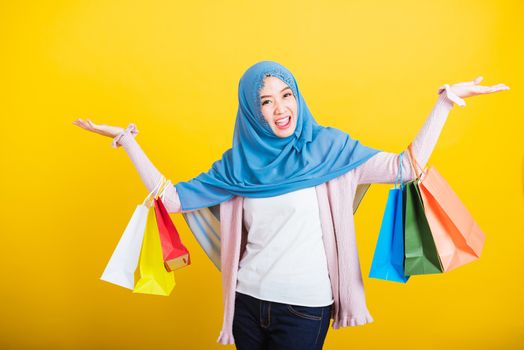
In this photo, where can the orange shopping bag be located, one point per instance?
(458, 238)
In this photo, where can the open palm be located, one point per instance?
(102, 129)
(472, 88)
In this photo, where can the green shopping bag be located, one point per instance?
(421, 256)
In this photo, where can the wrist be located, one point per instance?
(130, 130)
(451, 95)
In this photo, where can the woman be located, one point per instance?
(285, 189)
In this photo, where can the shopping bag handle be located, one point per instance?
(155, 190)
(399, 177)
(414, 162)
(160, 192)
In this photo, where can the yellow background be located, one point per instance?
(370, 68)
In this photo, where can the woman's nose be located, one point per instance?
(279, 109)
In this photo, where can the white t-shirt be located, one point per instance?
(285, 259)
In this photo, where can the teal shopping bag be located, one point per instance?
(388, 259)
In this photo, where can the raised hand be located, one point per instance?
(102, 129)
(472, 88)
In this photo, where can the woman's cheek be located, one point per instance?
(266, 113)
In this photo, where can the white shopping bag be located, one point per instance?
(120, 269)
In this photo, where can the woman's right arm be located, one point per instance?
(148, 172)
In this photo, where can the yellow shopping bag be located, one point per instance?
(154, 277)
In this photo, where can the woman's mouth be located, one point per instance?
(283, 123)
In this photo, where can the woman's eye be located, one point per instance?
(285, 95)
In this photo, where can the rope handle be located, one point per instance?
(155, 190)
(414, 162)
(399, 178)
(163, 191)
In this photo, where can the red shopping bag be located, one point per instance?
(175, 253)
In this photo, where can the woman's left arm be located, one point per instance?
(383, 167)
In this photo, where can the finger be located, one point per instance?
(473, 82)
(490, 89)
(492, 86)
(81, 124)
(497, 87)
(501, 86)
(77, 122)
(91, 124)
(478, 80)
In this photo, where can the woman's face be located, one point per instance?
(279, 106)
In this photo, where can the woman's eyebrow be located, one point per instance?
(287, 87)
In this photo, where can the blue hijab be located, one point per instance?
(262, 164)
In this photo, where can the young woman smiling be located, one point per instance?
(285, 189)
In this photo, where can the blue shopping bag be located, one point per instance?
(388, 259)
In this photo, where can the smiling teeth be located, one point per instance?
(283, 121)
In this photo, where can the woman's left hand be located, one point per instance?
(472, 88)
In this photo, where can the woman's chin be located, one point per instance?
(283, 133)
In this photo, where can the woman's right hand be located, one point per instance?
(102, 129)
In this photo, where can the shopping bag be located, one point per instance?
(388, 259)
(121, 266)
(120, 269)
(174, 252)
(421, 255)
(154, 278)
(458, 238)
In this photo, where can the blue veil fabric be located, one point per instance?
(262, 164)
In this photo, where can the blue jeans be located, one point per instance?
(260, 324)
